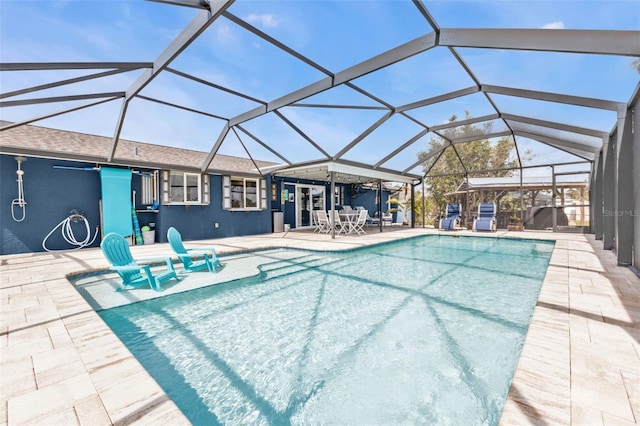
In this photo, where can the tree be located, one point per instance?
(448, 171)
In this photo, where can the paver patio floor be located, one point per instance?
(60, 364)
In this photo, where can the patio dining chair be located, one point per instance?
(361, 220)
(322, 222)
(338, 224)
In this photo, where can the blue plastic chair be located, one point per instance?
(206, 257)
(486, 220)
(452, 218)
(116, 250)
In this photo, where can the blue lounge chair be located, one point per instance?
(205, 257)
(452, 218)
(116, 250)
(486, 220)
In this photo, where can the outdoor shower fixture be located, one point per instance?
(20, 201)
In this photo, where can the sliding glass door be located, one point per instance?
(308, 199)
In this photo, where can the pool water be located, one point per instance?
(422, 331)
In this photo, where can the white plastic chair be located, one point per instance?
(337, 223)
(322, 222)
(358, 225)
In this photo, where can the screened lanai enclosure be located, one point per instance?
(531, 104)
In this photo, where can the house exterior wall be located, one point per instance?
(197, 222)
(353, 196)
(51, 194)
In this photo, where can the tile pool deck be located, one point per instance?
(60, 364)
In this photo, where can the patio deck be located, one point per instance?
(60, 364)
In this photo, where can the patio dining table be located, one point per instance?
(349, 219)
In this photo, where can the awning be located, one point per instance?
(343, 173)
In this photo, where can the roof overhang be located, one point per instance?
(342, 173)
(513, 184)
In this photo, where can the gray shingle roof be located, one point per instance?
(39, 141)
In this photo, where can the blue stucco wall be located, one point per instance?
(52, 194)
(198, 222)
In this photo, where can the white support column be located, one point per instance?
(554, 200)
(595, 197)
(624, 194)
(635, 113)
(380, 204)
(609, 177)
(332, 217)
(413, 206)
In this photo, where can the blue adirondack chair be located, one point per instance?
(486, 220)
(452, 218)
(204, 257)
(116, 250)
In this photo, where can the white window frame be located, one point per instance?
(339, 195)
(261, 193)
(149, 188)
(202, 191)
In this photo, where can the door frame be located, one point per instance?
(298, 202)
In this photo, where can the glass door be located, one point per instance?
(308, 199)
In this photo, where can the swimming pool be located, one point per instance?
(426, 330)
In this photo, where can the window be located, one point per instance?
(149, 188)
(184, 188)
(339, 195)
(244, 193)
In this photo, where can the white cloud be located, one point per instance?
(266, 19)
(224, 34)
(558, 25)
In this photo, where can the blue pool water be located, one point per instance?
(422, 331)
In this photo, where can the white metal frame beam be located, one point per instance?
(385, 59)
(197, 26)
(553, 125)
(47, 66)
(597, 42)
(568, 146)
(56, 99)
(554, 97)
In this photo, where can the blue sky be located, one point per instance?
(335, 35)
